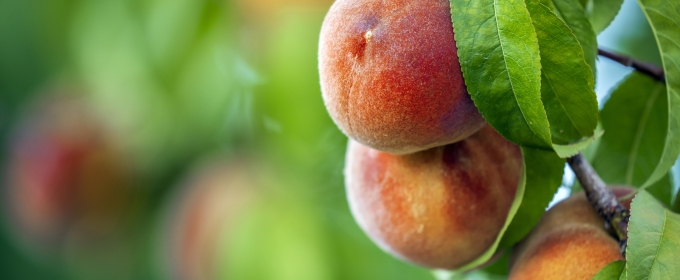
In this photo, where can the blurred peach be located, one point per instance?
(63, 173)
(200, 215)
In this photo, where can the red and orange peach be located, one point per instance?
(439, 208)
(390, 76)
(569, 242)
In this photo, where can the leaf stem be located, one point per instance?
(648, 69)
(601, 198)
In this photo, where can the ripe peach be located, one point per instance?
(569, 242)
(439, 208)
(390, 76)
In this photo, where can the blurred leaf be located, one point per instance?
(472, 275)
(575, 17)
(32, 45)
(602, 13)
(663, 17)
(261, 241)
(662, 190)
(498, 49)
(635, 121)
(500, 266)
(612, 271)
(566, 80)
(171, 29)
(676, 204)
(15, 265)
(653, 240)
(589, 152)
(298, 127)
(544, 172)
(171, 95)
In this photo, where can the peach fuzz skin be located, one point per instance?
(390, 76)
(569, 242)
(439, 208)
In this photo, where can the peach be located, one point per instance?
(201, 214)
(569, 242)
(64, 174)
(390, 76)
(439, 208)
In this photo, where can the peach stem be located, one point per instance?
(648, 69)
(601, 198)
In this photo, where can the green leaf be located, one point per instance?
(567, 81)
(549, 4)
(653, 240)
(664, 18)
(612, 271)
(635, 121)
(565, 151)
(676, 203)
(498, 49)
(675, 206)
(662, 190)
(500, 266)
(602, 12)
(589, 152)
(544, 172)
(574, 16)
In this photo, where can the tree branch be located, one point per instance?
(602, 198)
(643, 67)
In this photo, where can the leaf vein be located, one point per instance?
(669, 39)
(662, 15)
(495, 9)
(658, 247)
(559, 100)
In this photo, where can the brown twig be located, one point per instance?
(602, 198)
(643, 67)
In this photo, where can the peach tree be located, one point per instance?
(408, 80)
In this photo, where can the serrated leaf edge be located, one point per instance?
(505, 63)
(669, 93)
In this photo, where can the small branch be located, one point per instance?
(643, 67)
(602, 198)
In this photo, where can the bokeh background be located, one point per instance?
(186, 139)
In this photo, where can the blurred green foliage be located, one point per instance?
(177, 82)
